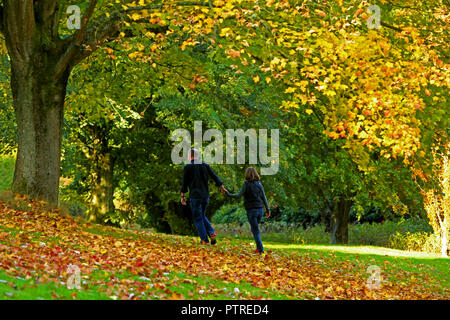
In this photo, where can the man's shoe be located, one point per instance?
(213, 238)
(204, 242)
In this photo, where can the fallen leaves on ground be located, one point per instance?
(41, 245)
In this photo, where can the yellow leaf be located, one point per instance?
(133, 55)
(140, 47)
(308, 111)
(290, 90)
(135, 16)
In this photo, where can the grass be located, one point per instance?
(431, 268)
(25, 240)
(182, 284)
(388, 234)
(420, 266)
(187, 286)
(18, 288)
(6, 172)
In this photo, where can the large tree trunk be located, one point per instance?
(341, 210)
(38, 81)
(41, 63)
(38, 102)
(326, 216)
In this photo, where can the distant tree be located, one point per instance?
(437, 199)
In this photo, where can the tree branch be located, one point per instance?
(1, 19)
(75, 42)
(87, 40)
(84, 22)
(18, 29)
(47, 14)
(384, 24)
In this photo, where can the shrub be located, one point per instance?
(230, 214)
(379, 234)
(290, 215)
(417, 241)
(410, 234)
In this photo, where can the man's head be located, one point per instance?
(193, 154)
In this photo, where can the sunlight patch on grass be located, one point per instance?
(356, 249)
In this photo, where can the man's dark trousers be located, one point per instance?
(204, 227)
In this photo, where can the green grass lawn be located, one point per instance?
(182, 284)
(398, 267)
(420, 266)
(431, 268)
(6, 172)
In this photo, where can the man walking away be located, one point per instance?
(195, 178)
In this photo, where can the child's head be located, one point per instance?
(251, 174)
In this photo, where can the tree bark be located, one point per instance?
(444, 244)
(31, 36)
(341, 210)
(444, 237)
(39, 105)
(102, 200)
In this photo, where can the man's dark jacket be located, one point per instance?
(195, 178)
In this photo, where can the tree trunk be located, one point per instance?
(444, 244)
(326, 216)
(341, 210)
(38, 81)
(39, 104)
(102, 200)
(444, 237)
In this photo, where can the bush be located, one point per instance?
(290, 215)
(230, 214)
(379, 234)
(417, 241)
(370, 215)
(410, 234)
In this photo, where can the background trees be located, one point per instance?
(359, 110)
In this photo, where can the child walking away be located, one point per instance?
(254, 202)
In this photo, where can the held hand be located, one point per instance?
(183, 201)
(268, 214)
(223, 190)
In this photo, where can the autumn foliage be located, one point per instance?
(45, 243)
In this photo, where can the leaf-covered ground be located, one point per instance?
(37, 246)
